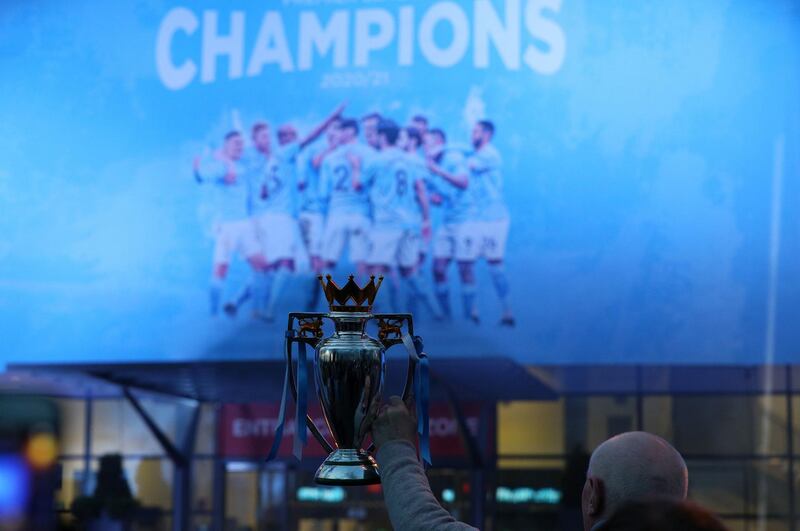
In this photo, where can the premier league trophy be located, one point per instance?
(348, 372)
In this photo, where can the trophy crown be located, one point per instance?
(338, 297)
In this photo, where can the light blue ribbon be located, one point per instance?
(301, 434)
(421, 393)
(276, 442)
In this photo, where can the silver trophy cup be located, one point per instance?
(348, 372)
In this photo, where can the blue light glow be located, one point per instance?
(547, 496)
(14, 485)
(321, 494)
(448, 495)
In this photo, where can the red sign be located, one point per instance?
(248, 430)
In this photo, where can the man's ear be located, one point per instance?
(596, 503)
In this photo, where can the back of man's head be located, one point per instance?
(631, 467)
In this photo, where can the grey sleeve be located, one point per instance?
(409, 500)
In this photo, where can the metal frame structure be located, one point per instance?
(640, 387)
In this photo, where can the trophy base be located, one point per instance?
(347, 466)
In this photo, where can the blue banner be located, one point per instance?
(559, 181)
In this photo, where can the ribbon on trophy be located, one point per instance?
(300, 434)
(276, 442)
(421, 393)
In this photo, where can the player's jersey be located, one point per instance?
(484, 174)
(458, 204)
(310, 197)
(225, 201)
(255, 162)
(279, 178)
(393, 175)
(336, 180)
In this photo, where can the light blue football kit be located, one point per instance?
(455, 237)
(393, 175)
(347, 223)
(493, 220)
(492, 215)
(228, 192)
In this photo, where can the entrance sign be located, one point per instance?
(248, 430)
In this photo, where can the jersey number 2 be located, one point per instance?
(341, 174)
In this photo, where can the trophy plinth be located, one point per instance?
(348, 466)
(349, 371)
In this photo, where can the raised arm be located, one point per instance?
(409, 500)
(356, 166)
(320, 128)
(459, 179)
(214, 170)
(422, 199)
(316, 161)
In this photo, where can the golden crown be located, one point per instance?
(338, 297)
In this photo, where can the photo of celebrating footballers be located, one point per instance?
(365, 192)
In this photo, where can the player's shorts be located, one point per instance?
(342, 229)
(235, 237)
(467, 241)
(312, 228)
(278, 236)
(394, 246)
(444, 242)
(495, 236)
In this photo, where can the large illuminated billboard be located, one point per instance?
(558, 181)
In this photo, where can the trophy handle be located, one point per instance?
(309, 332)
(390, 333)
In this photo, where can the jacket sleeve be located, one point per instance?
(409, 500)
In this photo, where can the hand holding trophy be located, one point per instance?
(349, 369)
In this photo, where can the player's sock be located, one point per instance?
(418, 293)
(500, 282)
(468, 297)
(260, 288)
(279, 279)
(443, 297)
(232, 307)
(394, 295)
(215, 294)
(411, 296)
(313, 300)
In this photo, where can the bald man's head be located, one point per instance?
(628, 467)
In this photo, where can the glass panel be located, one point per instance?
(241, 497)
(537, 498)
(72, 436)
(796, 423)
(136, 436)
(605, 416)
(658, 415)
(738, 487)
(797, 490)
(71, 482)
(150, 481)
(729, 425)
(517, 435)
(588, 421)
(202, 484)
(206, 430)
(201, 522)
(453, 489)
(739, 524)
(118, 428)
(106, 426)
(519, 463)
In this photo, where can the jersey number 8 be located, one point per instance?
(402, 182)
